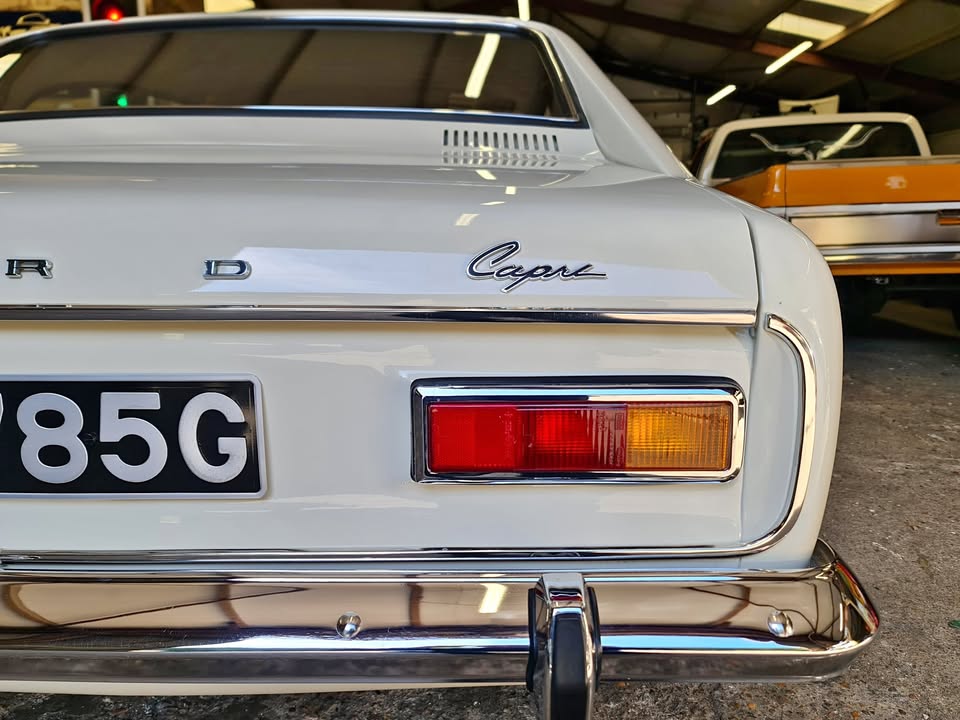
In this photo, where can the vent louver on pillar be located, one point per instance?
(515, 148)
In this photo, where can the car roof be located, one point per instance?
(816, 119)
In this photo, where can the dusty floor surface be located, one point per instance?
(893, 514)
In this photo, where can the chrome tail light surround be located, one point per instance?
(579, 390)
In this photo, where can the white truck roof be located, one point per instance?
(705, 172)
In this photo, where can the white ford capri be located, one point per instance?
(344, 351)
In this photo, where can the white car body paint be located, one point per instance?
(368, 217)
(366, 213)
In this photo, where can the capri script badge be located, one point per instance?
(493, 264)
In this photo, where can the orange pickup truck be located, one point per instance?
(864, 187)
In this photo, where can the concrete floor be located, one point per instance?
(893, 515)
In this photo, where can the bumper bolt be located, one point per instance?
(348, 626)
(780, 624)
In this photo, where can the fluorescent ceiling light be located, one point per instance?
(720, 94)
(804, 26)
(486, 175)
(7, 62)
(466, 219)
(841, 142)
(788, 56)
(478, 76)
(864, 6)
(511, 190)
(523, 9)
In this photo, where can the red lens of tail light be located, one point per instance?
(483, 437)
(526, 437)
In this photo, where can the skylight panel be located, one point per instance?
(804, 27)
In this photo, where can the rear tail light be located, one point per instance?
(577, 432)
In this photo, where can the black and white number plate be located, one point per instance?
(79, 436)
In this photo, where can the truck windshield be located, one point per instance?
(274, 64)
(748, 151)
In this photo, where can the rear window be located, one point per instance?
(748, 151)
(285, 65)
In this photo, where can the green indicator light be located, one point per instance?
(122, 100)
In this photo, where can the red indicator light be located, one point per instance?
(108, 10)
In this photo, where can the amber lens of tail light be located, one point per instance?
(543, 437)
(672, 436)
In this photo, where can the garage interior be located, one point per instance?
(688, 66)
(670, 57)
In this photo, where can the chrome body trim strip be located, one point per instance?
(462, 116)
(808, 427)
(611, 390)
(869, 209)
(446, 627)
(905, 253)
(783, 329)
(858, 231)
(297, 313)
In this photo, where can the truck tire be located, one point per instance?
(860, 300)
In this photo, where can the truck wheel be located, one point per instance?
(860, 300)
(855, 321)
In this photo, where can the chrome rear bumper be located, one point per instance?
(394, 629)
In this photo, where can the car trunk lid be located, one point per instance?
(348, 240)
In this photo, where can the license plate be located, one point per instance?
(190, 437)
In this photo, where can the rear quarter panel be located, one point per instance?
(795, 284)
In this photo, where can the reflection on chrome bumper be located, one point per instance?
(432, 627)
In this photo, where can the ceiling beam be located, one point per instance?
(651, 23)
(928, 44)
(475, 7)
(733, 41)
(759, 26)
(867, 71)
(657, 75)
(614, 63)
(600, 49)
